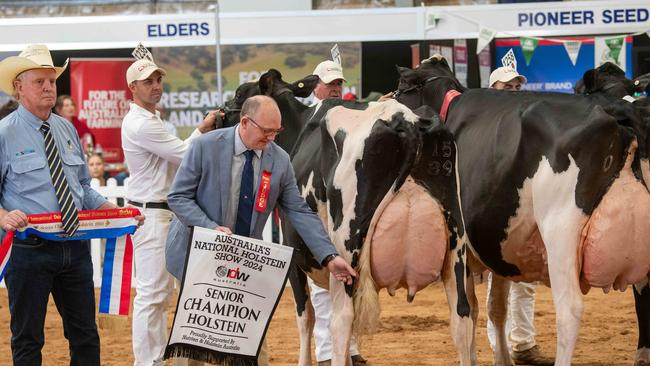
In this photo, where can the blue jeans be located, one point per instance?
(37, 268)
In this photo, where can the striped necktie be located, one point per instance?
(69, 214)
(245, 206)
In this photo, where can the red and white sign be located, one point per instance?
(99, 88)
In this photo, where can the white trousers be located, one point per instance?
(520, 326)
(153, 286)
(322, 302)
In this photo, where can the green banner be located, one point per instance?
(615, 45)
(528, 46)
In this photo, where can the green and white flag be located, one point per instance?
(485, 36)
(572, 49)
(615, 45)
(528, 46)
(610, 49)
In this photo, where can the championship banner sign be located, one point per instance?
(230, 289)
(114, 225)
(99, 88)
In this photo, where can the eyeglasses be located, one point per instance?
(266, 131)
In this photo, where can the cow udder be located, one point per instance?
(409, 242)
(615, 246)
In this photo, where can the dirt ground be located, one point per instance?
(411, 334)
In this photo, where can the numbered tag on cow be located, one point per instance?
(230, 289)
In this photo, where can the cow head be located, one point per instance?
(607, 84)
(427, 84)
(271, 84)
(608, 79)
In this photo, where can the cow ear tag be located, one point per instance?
(302, 85)
(263, 191)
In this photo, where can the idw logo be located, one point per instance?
(235, 274)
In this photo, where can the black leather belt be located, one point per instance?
(159, 205)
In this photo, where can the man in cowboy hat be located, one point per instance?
(33, 181)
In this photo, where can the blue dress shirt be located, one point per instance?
(25, 182)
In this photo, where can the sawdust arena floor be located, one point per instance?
(411, 334)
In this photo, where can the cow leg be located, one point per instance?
(304, 313)
(498, 313)
(560, 222)
(561, 237)
(341, 322)
(642, 304)
(463, 305)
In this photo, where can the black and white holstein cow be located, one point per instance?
(551, 190)
(608, 85)
(383, 181)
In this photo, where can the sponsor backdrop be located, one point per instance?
(190, 85)
(550, 68)
(102, 101)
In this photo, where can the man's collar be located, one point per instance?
(144, 110)
(30, 118)
(240, 147)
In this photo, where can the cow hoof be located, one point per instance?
(642, 357)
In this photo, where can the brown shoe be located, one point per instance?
(325, 363)
(532, 356)
(358, 360)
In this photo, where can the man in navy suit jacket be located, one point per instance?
(206, 188)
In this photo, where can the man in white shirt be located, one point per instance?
(330, 86)
(152, 155)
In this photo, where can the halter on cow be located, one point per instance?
(541, 176)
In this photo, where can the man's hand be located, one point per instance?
(341, 270)
(212, 120)
(13, 220)
(386, 97)
(223, 229)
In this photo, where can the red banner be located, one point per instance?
(99, 89)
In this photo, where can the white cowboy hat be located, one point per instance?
(35, 56)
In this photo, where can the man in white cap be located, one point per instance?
(330, 86)
(506, 78)
(520, 325)
(152, 155)
(330, 83)
(42, 170)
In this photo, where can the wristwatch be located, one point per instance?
(329, 259)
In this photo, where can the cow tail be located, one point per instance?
(366, 296)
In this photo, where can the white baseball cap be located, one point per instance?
(505, 74)
(141, 70)
(329, 71)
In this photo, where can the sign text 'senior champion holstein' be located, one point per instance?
(230, 289)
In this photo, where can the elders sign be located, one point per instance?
(230, 289)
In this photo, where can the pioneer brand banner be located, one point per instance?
(99, 88)
(229, 292)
